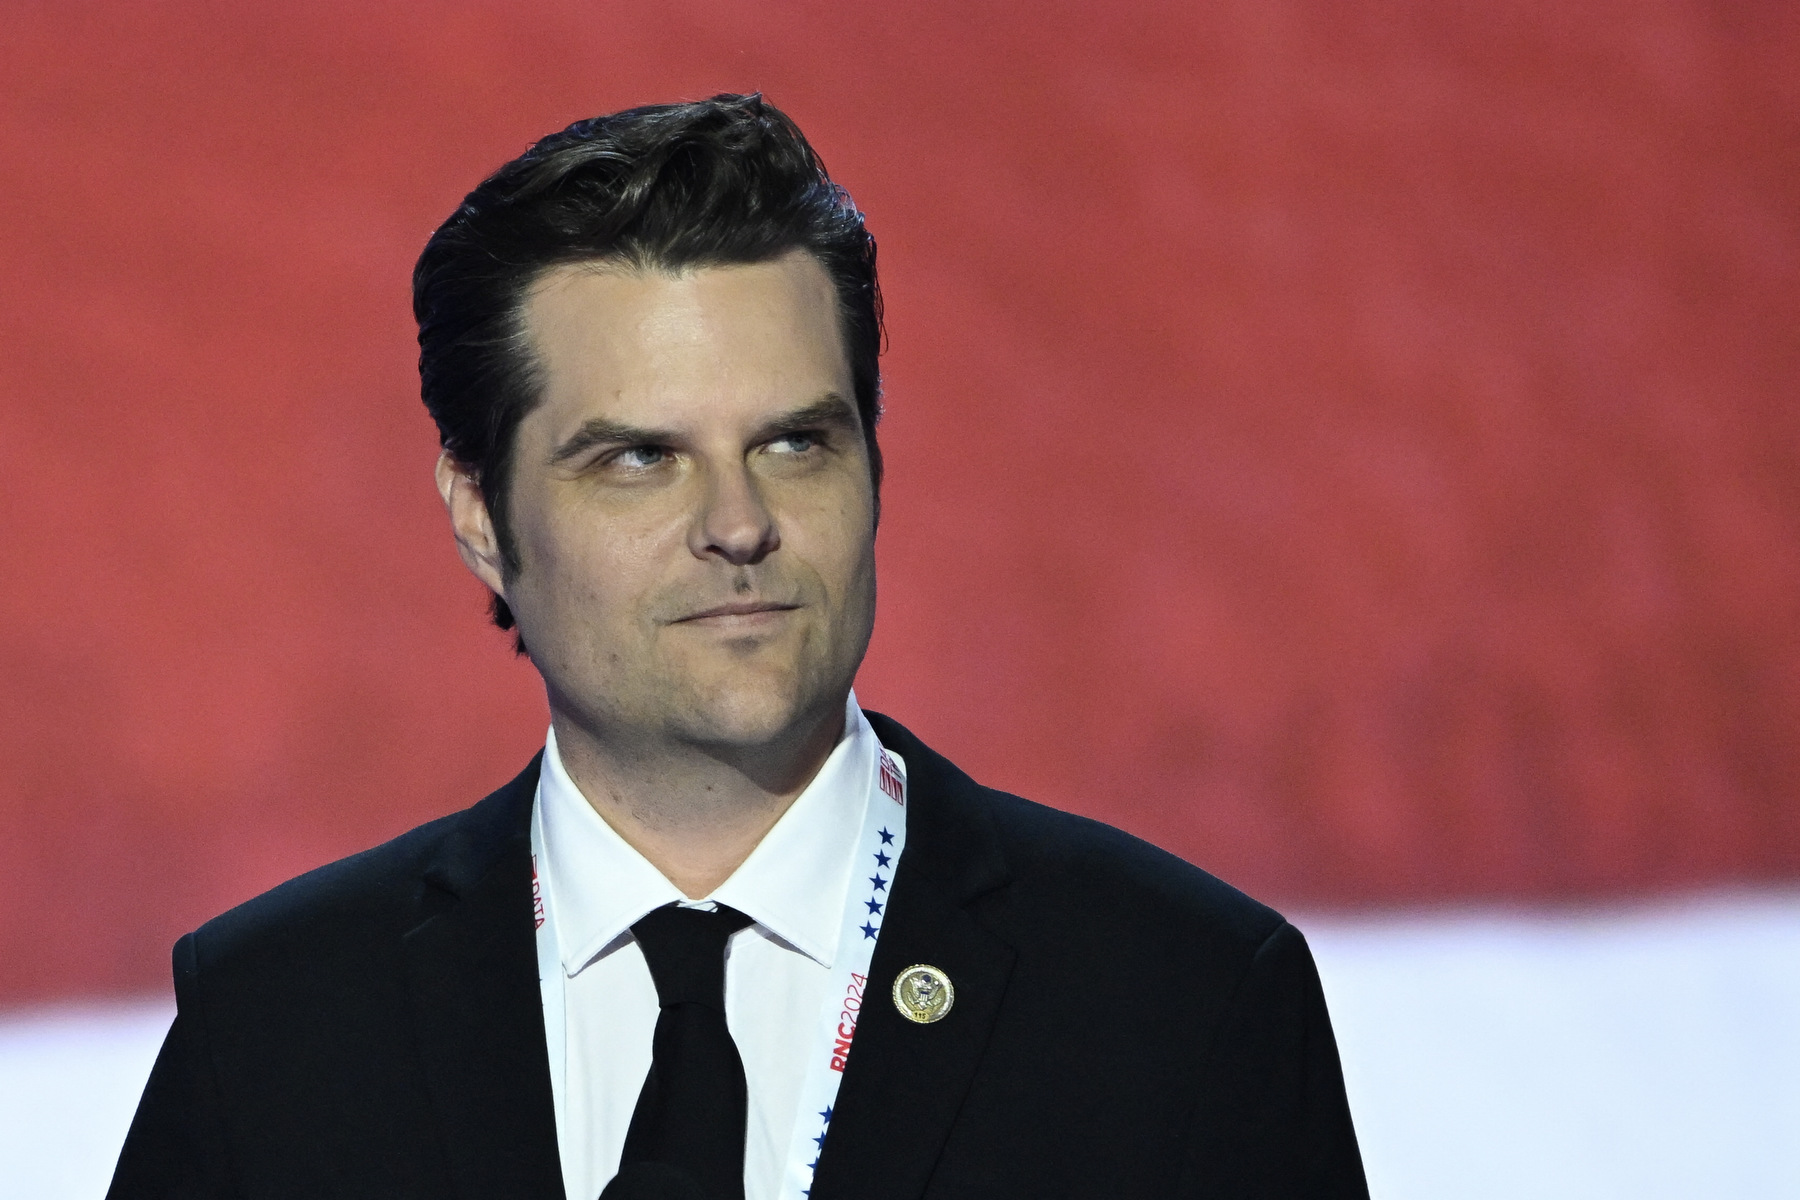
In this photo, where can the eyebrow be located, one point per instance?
(829, 409)
(601, 432)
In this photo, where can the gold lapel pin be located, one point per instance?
(923, 994)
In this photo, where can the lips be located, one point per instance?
(741, 608)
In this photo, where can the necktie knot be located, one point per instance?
(685, 950)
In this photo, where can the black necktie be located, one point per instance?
(690, 1116)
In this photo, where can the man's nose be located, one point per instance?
(734, 523)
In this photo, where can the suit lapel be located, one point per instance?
(905, 1082)
(472, 973)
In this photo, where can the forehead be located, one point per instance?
(653, 345)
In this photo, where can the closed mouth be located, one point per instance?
(739, 609)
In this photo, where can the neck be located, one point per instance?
(694, 812)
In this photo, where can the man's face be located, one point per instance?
(691, 504)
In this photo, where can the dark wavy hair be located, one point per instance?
(730, 180)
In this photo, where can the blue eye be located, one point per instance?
(794, 443)
(641, 456)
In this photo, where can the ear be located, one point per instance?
(471, 522)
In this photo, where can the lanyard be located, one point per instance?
(878, 847)
(549, 962)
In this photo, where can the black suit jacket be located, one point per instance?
(1125, 1025)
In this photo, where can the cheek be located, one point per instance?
(842, 550)
(583, 559)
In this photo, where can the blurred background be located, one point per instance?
(1354, 446)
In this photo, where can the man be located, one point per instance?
(728, 935)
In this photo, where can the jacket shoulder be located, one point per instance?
(375, 889)
(1109, 870)
(1081, 875)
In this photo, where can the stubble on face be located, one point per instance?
(692, 510)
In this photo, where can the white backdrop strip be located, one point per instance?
(1636, 1053)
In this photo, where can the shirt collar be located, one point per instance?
(793, 884)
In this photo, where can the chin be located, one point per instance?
(754, 711)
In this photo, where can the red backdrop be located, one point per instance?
(1351, 445)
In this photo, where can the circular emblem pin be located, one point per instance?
(923, 993)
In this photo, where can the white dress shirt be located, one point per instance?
(777, 970)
